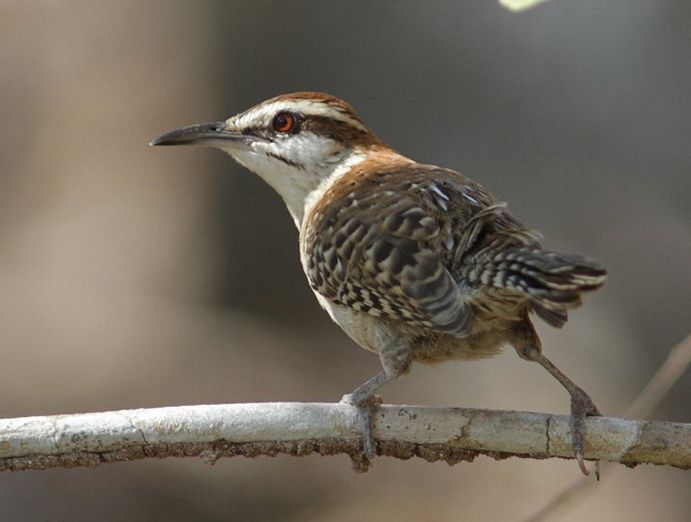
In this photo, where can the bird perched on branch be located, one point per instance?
(414, 262)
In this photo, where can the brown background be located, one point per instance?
(135, 277)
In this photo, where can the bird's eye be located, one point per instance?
(285, 122)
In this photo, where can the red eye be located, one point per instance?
(284, 122)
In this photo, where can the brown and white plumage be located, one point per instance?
(415, 262)
(431, 248)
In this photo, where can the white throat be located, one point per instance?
(300, 189)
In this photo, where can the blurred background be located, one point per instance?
(135, 277)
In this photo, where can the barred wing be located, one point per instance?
(378, 247)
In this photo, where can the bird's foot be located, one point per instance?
(582, 406)
(366, 406)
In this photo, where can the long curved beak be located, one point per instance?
(212, 134)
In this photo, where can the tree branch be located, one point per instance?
(215, 431)
(666, 376)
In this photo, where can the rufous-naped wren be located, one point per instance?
(414, 262)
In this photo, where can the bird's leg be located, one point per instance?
(366, 402)
(395, 358)
(581, 403)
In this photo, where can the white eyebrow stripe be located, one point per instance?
(263, 114)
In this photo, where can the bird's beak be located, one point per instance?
(209, 134)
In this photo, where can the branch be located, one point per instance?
(215, 431)
(674, 366)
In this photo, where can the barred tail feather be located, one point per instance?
(552, 281)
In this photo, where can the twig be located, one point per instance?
(661, 382)
(211, 432)
(644, 405)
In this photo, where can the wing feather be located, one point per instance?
(375, 247)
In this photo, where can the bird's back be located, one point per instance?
(433, 249)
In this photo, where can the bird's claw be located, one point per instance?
(582, 406)
(366, 407)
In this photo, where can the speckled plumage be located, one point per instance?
(432, 249)
(414, 262)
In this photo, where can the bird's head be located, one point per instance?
(295, 142)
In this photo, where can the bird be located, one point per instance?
(415, 262)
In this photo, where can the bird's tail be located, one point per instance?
(553, 282)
